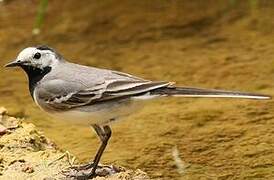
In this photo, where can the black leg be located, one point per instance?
(89, 171)
(104, 134)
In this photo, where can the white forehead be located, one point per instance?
(27, 52)
(30, 51)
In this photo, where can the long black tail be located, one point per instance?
(198, 92)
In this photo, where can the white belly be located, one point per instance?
(100, 114)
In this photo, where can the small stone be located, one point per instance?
(3, 130)
(3, 111)
(11, 123)
(28, 169)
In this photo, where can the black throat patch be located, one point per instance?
(35, 75)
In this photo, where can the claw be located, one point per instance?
(79, 175)
(83, 167)
(85, 171)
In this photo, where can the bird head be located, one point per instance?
(36, 58)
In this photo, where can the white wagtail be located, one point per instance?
(96, 96)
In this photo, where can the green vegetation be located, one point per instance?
(40, 16)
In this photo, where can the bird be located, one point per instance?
(97, 97)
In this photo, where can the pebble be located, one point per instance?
(3, 129)
(28, 169)
(3, 111)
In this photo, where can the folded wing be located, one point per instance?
(109, 90)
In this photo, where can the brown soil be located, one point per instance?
(213, 44)
(28, 154)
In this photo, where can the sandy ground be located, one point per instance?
(209, 44)
(27, 154)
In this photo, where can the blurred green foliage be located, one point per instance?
(40, 16)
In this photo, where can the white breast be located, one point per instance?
(35, 99)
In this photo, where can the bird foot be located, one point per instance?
(84, 172)
(83, 166)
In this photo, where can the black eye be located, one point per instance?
(37, 56)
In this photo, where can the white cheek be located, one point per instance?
(53, 62)
(47, 61)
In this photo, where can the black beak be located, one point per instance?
(13, 64)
